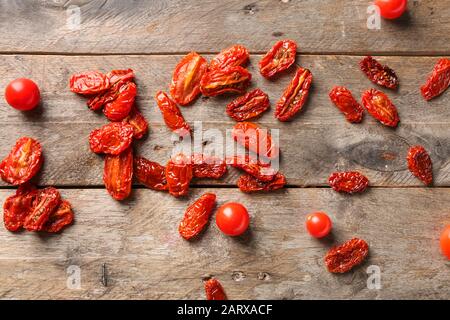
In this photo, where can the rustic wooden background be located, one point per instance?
(135, 245)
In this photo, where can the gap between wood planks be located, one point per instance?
(218, 186)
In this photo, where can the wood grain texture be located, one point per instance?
(167, 26)
(317, 142)
(146, 258)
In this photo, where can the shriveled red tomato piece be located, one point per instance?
(138, 122)
(227, 80)
(261, 171)
(248, 106)
(380, 107)
(18, 206)
(124, 75)
(172, 115)
(197, 216)
(343, 258)
(248, 183)
(151, 174)
(233, 56)
(295, 95)
(204, 166)
(23, 162)
(255, 139)
(59, 218)
(179, 175)
(438, 81)
(89, 82)
(112, 138)
(348, 182)
(118, 174)
(120, 107)
(379, 74)
(419, 163)
(214, 290)
(344, 101)
(45, 202)
(185, 85)
(280, 57)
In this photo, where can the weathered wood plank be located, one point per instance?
(160, 26)
(317, 142)
(146, 258)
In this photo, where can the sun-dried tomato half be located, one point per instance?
(380, 107)
(214, 290)
(295, 95)
(23, 162)
(344, 101)
(197, 216)
(379, 74)
(279, 58)
(261, 171)
(59, 218)
(204, 166)
(419, 163)
(179, 175)
(248, 106)
(151, 174)
(227, 80)
(438, 81)
(138, 122)
(172, 115)
(120, 107)
(115, 76)
(255, 139)
(89, 82)
(348, 182)
(248, 183)
(45, 202)
(233, 56)
(112, 138)
(343, 258)
(185, 85)
(18, 206)
(118, 174)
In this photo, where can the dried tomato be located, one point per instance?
(172, 115)
(89, 82)
(248, 183)
(280, 57)
(255, 168)
(438, 81)
(112, 138)
(255, 139)
(179, 175)
(227, 80)
(151, 174)
(23, 162)
(380, 107)
(125, 75)
(120, 107)
(419, 163)
(295, 95)
(18, 206)
(379, 74)
(349, 181)
(233, 56)
(138, 122)
(250, 105)
(214, 290)
(204, 166)
(45, 202)
(59, 218)
(197, 216)
(344, 101)
(185, 85)
(118, 174)
(343, 258)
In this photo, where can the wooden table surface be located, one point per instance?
(132, 250)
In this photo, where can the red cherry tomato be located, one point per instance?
(318, 224)
(391, 9)
(22, 94)
(445, 242)
(232, 219)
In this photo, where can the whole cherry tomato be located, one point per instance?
(445, 242)
(391, 9)
(22, 94)
(232, 219)
(318, 224)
